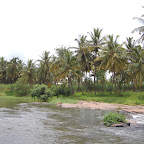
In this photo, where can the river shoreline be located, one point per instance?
(103, 106)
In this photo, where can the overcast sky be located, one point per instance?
(29, 27)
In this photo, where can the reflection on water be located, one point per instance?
(46, 124)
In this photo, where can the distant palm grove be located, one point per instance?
(83, 68)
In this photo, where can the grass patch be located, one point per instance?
(128, 98)
(63, 99)
(23, 99)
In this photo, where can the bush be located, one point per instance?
(38, 90)
(61, 90)
(42, 92)
(67, 91)
(44, 98)
(21, 88)
(99, 88)
(114, 118)
(109, 88)
(89, 84)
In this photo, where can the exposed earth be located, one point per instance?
(103, 106)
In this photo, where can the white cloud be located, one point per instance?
(29, 27)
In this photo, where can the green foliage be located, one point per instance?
(100, 88)
(42, 92)
(62, 90)
(128, 98)
(38, 90)
(109, 88)
(4, 87)
(28, 99)
(44, 97)
(114, 118)
(22, 88)
(70, 99)
(9, 92)
(89, 84)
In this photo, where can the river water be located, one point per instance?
(25, 123)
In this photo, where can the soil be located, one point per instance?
(103, 106)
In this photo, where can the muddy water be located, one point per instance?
(23, 123)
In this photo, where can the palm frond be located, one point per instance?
(139, 19)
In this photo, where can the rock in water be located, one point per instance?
(121, 125)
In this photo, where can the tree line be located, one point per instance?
(78, 65)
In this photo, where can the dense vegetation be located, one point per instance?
(62, 94)
(114, 118)
(82, 68)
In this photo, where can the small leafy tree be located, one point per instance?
(22, 88)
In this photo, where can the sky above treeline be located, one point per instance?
(29, 27)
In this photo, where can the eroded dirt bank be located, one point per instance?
(103, 106)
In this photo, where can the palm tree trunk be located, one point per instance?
(115, 82)
(86, 82)
(78, 85)
(94, 80)
(71, 85)
(82, 82)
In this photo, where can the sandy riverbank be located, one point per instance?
(103, 106)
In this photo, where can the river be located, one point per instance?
(25, 123)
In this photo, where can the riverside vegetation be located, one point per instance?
(57, 94)
(114, 118)
(80, 73)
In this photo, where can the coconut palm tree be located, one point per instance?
(136, 66)
(66, 67)
(130, 43)
(82, 55)
(29, 72)
(3, 72)
(96, 43)
(113, 57)
(82, 51)
(13, 69)
(44, 68)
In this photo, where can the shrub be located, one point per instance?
(89, 84)
(62, 90)
(21, 88)
(109, 88)
(44, 97)
(38, 90)
(113, 118)
(100, 88)
(67, 91)
(42, 92)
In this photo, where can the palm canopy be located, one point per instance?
(66, 66)
(130, 43)
(81, 40)
(82, 53)
(140, 29)
(44, 68)
(29, 72)
(97, 40)
(3, 72)
(112, 56)
(13, 69)
(136, 67)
